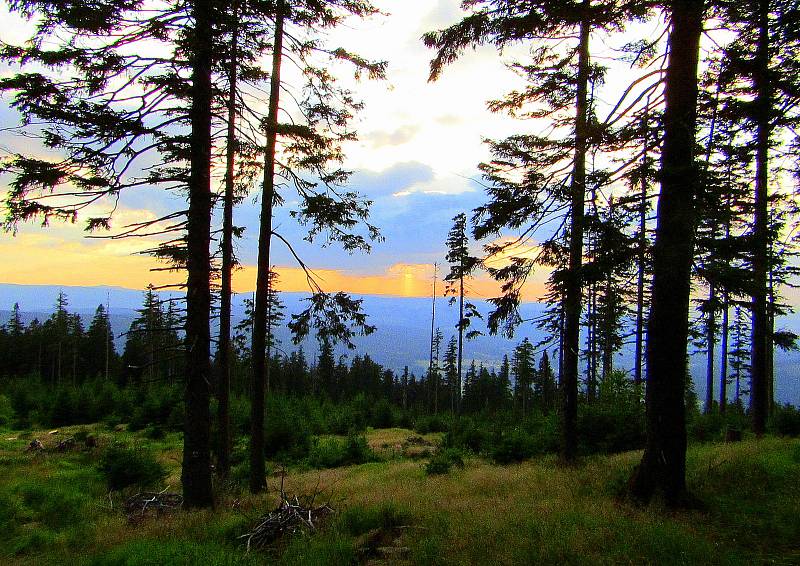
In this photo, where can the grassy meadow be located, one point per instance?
(55, 508)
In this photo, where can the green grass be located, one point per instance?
(54, 509)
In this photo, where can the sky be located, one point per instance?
(416, 159)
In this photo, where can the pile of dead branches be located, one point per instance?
(150, 502)
(292, 515)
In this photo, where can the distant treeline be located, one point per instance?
(60, 350)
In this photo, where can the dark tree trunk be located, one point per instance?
(609, 328)
(723, 369)
(711, 314)
(224, 347)
(759, 402)
(260, 363)
(572, 295)
(591, 343)
(771, 338)
(433, 331)
(663, 465)
(460, 337)
(196, 470)
(711, 343)
(637, 368)
(723, 366)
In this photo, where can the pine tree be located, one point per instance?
(523, 369)
(450, 368)
(99, 352)
(663, 465)
(763, 64)
(545, 390)
(532, 176)
(740, 354)
(434, 372)
(312, 147)
(462, 266)
(80, 94)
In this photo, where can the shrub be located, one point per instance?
(357, 451)
(785, 421)
(344, 421)
(514, 446)
(6, 411)
(65, 408)
(607, 428)
(383, 415)
(426, 424)
(155, 432)
(333, 452)
(705, 428)
(443, 461)
(139, 420)
(465, 433)
(286, 434)
(125, 466)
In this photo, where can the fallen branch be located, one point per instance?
(292, 515)
(160, 502)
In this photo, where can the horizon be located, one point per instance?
(403, 339)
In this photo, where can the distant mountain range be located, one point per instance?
(402, 336)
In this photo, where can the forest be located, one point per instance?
(652, 176)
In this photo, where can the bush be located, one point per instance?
(514, 446)
(712, 427)
(65, 408)
(607, 428)
(286, 434)
(357, 451)
(383, 415)
(334, 453)
(785, 421)
(443, 460)
(155, 432)
(706, 428)
(125, 466)
(426, 424)
(6, 411)
(466, 434)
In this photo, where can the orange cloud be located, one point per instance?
(401, 279)
(60, 256)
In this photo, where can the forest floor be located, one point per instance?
(55, 509)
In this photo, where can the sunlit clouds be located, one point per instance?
(416, 159)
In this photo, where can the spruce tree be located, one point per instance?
(462, 266)
(663, 465)
(309, 166)
(533, 179)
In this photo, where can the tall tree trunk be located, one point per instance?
(591, 342)
(711, 343)
(759, 364)
(663, 465)
(196, 470)
(433, 330)
(224, 347)
(711, 314)
(572, 295)
(723, 366)
(641, 252)
(260, 365)
(460, 336)
(608, 328)
(771, 337)
(723, 370)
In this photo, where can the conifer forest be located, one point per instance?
(636, 222)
